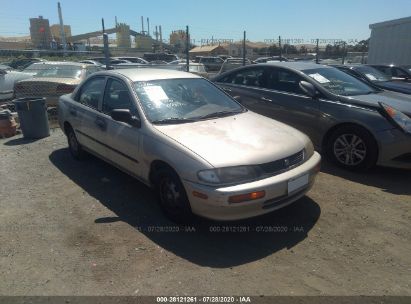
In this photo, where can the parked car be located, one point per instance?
(134, 59)
(232, 63)
(8, 78)
(271, 58)
(211, 64)
(354, 124)
(91, 62)
(21, 64)
(376, 78)
(395, 72)
(200, 149)
(197, 68)
(53, 80)
(160, 56)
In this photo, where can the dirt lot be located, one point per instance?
(85, 228)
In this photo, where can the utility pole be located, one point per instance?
(161, 39)
(148, 26)
(62, 34)
(244, 50)
(316, 52)
(115, 20)
(142, 25)
(105, 41)
(187, 49)
(281, 48)
(343, 53)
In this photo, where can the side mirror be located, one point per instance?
(124, 115)
(308, 88)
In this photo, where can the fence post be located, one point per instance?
(187, 49)
(343, 54)
(281, 51)
(244, 50)
(105, 41)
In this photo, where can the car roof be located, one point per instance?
(297, 65)
(145, 74)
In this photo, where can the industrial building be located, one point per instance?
(390, 42)
(56, 31)
(40, 33)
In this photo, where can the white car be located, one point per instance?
(8, 78)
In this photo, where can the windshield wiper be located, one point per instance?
(172, 120)
(218, 114)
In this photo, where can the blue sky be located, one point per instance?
(222, 19)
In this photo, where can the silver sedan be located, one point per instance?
(200, 149)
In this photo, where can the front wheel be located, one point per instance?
(353, 148)
(172, 196)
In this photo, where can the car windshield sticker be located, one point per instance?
(370, 76)
(318, 77)
(156, 94)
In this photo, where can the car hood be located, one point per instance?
(402, 87)
(242, 139)
(401, 102)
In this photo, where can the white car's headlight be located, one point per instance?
(230, 174)
(399, 118)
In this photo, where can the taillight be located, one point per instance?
(65, 88)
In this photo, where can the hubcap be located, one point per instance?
(169, 193)
(350, 149)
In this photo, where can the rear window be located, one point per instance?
(60, 71)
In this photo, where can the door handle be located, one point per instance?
(101, 123)
(266, 99)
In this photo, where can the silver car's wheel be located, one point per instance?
(350, 149)
(74, 146)
(172, 196)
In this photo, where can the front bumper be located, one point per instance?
(217, 207)
(394, 146)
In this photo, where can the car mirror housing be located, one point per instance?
(308, 88)
(124, 115)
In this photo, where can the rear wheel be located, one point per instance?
(353, 148)
(172, 196)
(75, 148)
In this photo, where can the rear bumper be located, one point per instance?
(217, 207)
(394, 146)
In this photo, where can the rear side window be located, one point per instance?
(396, 72)
(249, 77)
(91, 92)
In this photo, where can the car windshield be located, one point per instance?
(372, 74)
(183, 100)
(60, 71)
(338, 82)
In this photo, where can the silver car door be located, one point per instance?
(122, 139)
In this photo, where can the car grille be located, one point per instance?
(284, 164)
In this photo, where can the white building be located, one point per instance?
(390, 42)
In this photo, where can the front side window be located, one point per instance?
(183, 100)
(91, 92)
(338, 82)
(285, 81)
(117, 96)
(396, 72)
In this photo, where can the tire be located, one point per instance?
(353, 148)
(172, 196)
(75, 148)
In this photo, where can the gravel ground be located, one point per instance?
(85, 228)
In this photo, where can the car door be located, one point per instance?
(286, 101)
(122, 139)
(85, 116)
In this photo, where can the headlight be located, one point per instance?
(229, 174)
(400, 119)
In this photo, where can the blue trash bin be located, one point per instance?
(32, 112)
